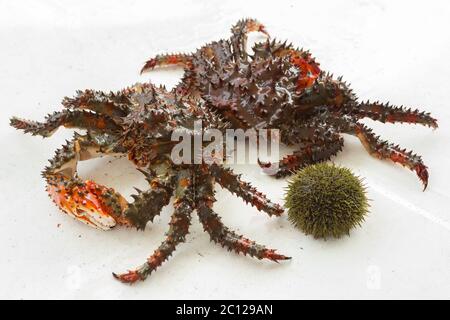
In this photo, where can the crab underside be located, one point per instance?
(276, 87)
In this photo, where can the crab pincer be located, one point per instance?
(90, 203)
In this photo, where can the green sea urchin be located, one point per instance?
(326, 200)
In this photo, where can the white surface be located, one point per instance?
(397, 51)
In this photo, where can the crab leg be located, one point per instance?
(343, 97)
(179, 228)
(307, 155)
(87, 201)
(97, 205)
(112, 105)
(164, 60)
(308, 68)
(379, 148)
(316, 141)
(233, 183)
(384, 150)
(387, 113)
(148, 204)
(220, 234)
(239, 35)
(68, 118)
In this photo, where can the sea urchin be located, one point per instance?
(326, 200)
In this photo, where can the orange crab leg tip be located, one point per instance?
(279, 210)
(129, 277)
(275, 257)
(149, 65)
(422, 173)
(425, 185)
(264, 164)
(434, 124)
(15, 122)
(19, 124)
(263, 30)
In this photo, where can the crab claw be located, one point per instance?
(95, 205)
(422, 173)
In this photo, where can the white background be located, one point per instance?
(397, 51)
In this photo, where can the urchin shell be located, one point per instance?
(326, 200)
